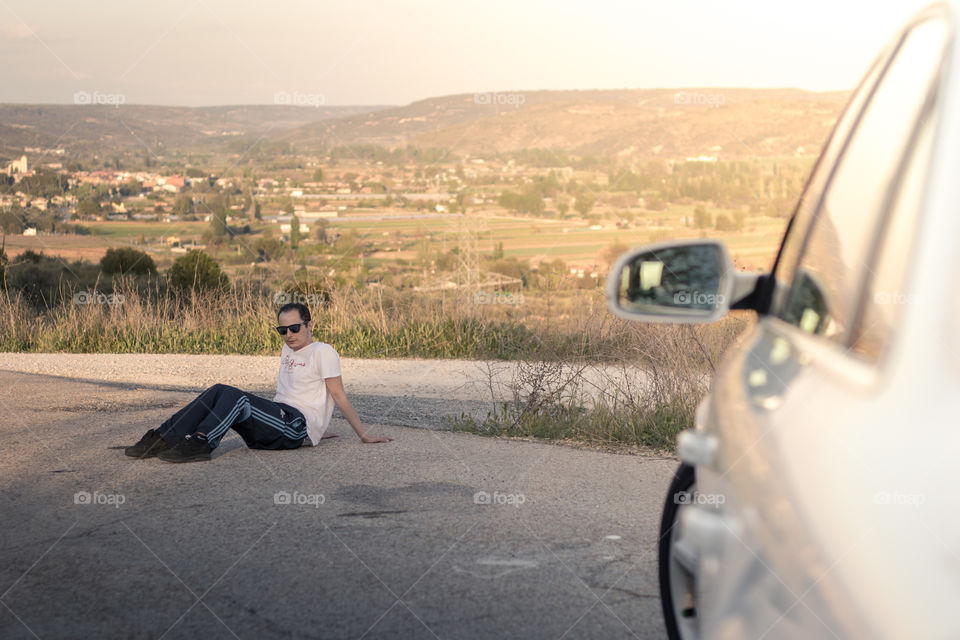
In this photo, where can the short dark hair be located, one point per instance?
(299, 307)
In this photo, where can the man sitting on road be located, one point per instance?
(299, 413)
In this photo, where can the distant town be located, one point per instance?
(43, 194)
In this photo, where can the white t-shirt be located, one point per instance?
(300, 383)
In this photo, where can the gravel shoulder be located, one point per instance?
(402, 392)
(413, 393)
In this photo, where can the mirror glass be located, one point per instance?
(684, 278)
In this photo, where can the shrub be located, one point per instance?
(645, 395)
(45, 281)
(197, 271)
(126, 260)
(724, 223)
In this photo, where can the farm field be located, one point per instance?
(576, 242)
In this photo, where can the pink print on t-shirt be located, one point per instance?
(289, 363)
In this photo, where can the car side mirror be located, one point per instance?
(684, 282)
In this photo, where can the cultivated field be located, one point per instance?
(403, 237)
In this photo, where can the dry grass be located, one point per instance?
(141, 317)
(643, 395)
(582, 374)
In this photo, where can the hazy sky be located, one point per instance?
(211, 52)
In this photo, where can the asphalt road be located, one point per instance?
(435, 535)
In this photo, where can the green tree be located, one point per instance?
(268, 248)
(183, 205)
(294, 232)
(529, 201)
(46, 281)
(197, 271)
(318, 175)
(584, 203)
(218, 223)
(320, 230)
(131, 187)
(11, 220)
(125, 260)
(448, 261)
(87, 208)
(256, 211)
(701, 218)
(218, 215)
(724, 223)
(510, 267)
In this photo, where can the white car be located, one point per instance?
(815, 495)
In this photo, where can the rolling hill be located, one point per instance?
(139, 128)
(643, 123)
(732, 123)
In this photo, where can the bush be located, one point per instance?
(644, 395)
(724, 223)
(11, 220)
(87, 208)
(529, 201)
(197, 271)
(127, 260)
(46, 281)
(701, 218)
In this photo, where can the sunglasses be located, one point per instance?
(293, 328)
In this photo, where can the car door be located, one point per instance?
(779, 405)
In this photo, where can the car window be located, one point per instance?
(833, 268)
(796, 233)
(885, 295)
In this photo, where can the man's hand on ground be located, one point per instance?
(372, 439)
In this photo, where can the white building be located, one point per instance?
(18, 166)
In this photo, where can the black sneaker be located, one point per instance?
(192, 448)
(150, 445)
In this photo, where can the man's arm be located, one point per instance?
(335, 387)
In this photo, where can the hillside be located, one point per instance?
(671, 123)
(137, 128)
(648, 123)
